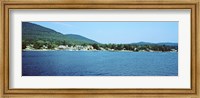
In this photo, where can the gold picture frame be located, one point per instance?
(193, 5)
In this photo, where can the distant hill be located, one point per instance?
(33, 32)
(148, 43)
(79, 38)
(168, 44)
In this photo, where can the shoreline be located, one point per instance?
(95, 50)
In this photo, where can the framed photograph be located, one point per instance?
(100, 49)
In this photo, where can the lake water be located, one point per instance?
(99, 63)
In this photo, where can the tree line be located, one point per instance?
(131, 47)
(134, 47)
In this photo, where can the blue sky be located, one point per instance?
(119, 32)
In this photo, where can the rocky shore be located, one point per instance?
(86, 48)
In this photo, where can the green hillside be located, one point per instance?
(36, 34)
(78, 38)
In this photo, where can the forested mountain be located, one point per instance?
(32, 33)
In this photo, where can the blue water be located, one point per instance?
(101, 63)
